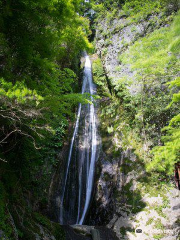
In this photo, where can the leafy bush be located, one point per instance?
(155, 61)
(40, 45)
(100, 77)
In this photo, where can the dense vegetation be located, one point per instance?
(137, 73)
(40, 46)
(155, 60)
(40, 43)
(145, 118)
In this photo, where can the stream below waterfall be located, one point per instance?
(77, 189)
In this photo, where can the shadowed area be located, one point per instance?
(88, 233)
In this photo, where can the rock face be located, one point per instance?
(102, 206)
(56, 184)
(126, 200)
(118, 36)
(109, 193)
(89, 233)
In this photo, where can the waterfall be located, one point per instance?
(79, 173)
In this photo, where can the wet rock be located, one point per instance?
(95, 234)
(104, 234)
(83, 229)
(72, 234)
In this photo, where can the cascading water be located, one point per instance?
(79, 175)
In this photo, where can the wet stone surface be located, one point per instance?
(89, 233)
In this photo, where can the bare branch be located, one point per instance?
(2, 141)
(3, 160)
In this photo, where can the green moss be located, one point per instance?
(150, 221)
(99, 77)
(108, 42)
(159, 210)
(43, 220)
(178, 221)
(54, 228)
(124, 230)
(58, 232)
(133, 28)
(133, 198)
(126, 167)
(116, 153)
(118, 68)
(4, 216)
(140, 10)
(158, 236)
(104, 51)
(27, 223)
(158, 224)
(107, 177)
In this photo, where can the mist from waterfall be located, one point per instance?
(79, 174)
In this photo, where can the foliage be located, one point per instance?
(135, 9)
(158, 236)
(138, 108)
(99, 78)
(19, 92)
(40, 46)
(109, 4)
(167, 155)
(141, 8)
(154, 59)
(19, 113)
(150, 57)
(3, 217)
(133, 117)
(39, 42)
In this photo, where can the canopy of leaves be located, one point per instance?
(39, 44)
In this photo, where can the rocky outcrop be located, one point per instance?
(115, 37)
(90, 232)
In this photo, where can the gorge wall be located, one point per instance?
(131, 81)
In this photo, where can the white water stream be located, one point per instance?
(79, 174)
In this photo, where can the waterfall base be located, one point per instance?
(77, 232)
